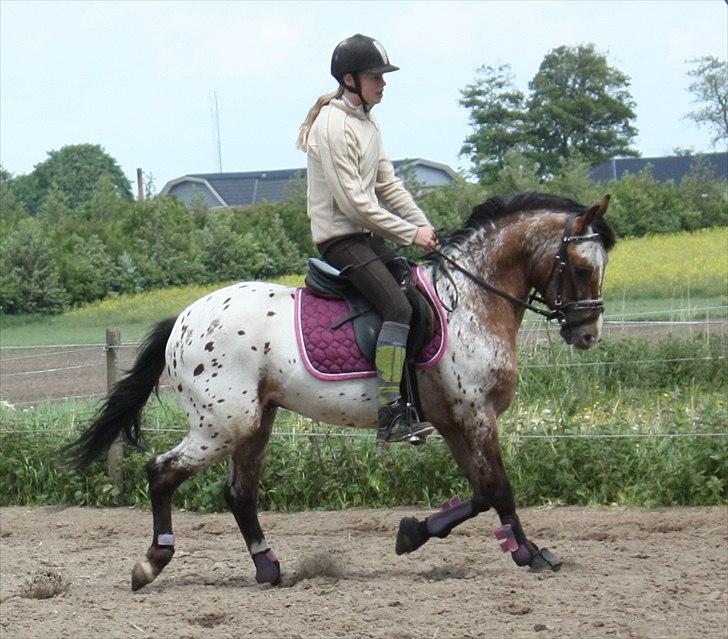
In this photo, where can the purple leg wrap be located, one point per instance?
(513, 540)
(507, 538)
(453, 513)
(267, 567)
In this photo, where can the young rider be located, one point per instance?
(355, 202)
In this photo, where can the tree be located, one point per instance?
(578, 103)
(29, 277)
(710, 90)
(578, 106)
(75, 171)
(497, 116)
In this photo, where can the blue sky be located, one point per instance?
(137, 77)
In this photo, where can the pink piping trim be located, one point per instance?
(421, 276)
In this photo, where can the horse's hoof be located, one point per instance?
(142, 574)
(544, 559)
(267, 567)
(411, 535)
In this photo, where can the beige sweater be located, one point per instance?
(352, 187)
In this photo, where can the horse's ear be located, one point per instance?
(582, 222)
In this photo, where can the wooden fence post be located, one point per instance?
(116, 450)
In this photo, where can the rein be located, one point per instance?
(562, 263)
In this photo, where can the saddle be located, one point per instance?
(323, 280)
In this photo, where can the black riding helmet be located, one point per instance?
(356, 54)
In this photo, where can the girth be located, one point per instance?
(323, 280)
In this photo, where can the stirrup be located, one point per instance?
(399, 422)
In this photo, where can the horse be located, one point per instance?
(233, 361)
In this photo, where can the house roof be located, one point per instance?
(663, 168)
(248, 187)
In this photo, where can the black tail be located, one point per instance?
(121, 412)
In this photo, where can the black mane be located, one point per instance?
(495, 208)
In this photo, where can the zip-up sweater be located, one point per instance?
(352, 187)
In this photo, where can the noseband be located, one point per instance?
(561, 309)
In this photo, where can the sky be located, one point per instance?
(138, 77)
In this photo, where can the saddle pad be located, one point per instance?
(333, 354)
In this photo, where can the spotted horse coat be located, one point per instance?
(233, 360)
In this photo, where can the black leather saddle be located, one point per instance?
(326, 281)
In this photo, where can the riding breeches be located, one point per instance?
(367, 255)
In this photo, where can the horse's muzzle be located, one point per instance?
(583, 336)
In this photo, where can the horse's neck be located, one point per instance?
(504, 256)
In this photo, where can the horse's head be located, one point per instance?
(574, 287)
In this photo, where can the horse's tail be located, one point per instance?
(121, 412)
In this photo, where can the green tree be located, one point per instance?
(497, 115)
(75, 171)
(160, 237)
(578, 103)
(520, 172)
(643, 206)
(450, 205)
(710, 90)
(29, 278)
(87, 270)
(228, 254)
(11, 210)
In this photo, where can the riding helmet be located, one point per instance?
(359, 53)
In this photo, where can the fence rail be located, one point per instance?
(113, 346)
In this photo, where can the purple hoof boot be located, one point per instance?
(267, 567)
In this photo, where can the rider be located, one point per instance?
(355, 202)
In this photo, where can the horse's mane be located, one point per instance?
(495, 208)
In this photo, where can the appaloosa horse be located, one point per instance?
(233, 359)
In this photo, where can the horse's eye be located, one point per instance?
(582, 272)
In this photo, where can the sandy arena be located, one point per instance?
(627, 573)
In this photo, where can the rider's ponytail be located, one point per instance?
(313, 112)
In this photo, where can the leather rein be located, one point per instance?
(562, 264)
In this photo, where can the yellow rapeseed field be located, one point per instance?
(156, 303)
(674, 265)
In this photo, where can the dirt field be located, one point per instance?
(71, 372)
(627, 573)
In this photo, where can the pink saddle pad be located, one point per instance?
(333, 354)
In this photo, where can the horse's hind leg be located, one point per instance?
(166, 472)
(241, 494)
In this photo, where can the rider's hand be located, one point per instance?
(426, 238)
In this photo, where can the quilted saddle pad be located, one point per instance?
(333, 354)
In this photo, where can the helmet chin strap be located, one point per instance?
(356, 90)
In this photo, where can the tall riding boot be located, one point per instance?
(398, 421)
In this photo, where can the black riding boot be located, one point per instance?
(398, 420)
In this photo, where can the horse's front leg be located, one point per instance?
(477, 452)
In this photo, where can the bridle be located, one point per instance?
(561, 310)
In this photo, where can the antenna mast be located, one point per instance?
(216, 115)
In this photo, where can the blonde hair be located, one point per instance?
(313, 112)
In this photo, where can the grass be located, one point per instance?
(576, 434)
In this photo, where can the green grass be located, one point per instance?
(576, 434)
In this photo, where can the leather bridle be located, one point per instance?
(561, 310)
